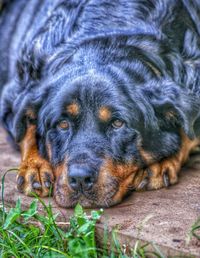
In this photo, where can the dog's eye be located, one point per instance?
(117, 124)
(64, 125)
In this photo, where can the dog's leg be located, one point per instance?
(35, 173)
(165, 172)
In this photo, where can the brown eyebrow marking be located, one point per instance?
(73, 109)
(30, 113)
(104, 114)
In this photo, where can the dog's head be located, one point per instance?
(103, 121)
(92, 140)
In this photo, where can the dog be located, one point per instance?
(101, 97)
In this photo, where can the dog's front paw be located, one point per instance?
(162, 174)
(35, 175)
(165, 172)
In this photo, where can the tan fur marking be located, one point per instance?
(73, 109)
(146, 156)
(124, 174)
(60, 169)
(30, 113)
(120, 171)
(170, 115)
(123, 188)
(172, 164)
(33, 165)
(104, 114)
(28, 145)
(187, 146)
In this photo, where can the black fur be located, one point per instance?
(140, 58)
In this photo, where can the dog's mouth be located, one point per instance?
(113, 183)
(108, 191)
(102, 195)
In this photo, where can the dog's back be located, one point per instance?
(23, 22)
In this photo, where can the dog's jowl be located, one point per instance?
(101, 97)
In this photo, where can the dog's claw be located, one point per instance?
(20, 181)
(166, 179)
(48, 181)
(47, 184)
(142, 185)
(37, 186)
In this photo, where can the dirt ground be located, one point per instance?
(163, 217)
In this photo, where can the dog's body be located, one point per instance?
(104, 93)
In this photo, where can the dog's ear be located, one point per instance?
(32, 64)
(175, 106)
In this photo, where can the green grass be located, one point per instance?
(195, 230)
(28, 233)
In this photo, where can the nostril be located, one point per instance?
(73, 180)
(74, 183)
(88, 183)
(88, 180)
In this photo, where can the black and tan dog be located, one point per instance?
(101, 96)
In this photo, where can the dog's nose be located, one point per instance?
(81, 178)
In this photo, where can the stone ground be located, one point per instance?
(163, 217)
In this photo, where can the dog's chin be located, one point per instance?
(102, 196)
(69, 202)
